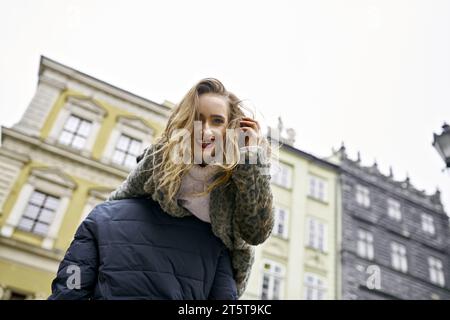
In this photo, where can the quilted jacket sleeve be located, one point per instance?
(133, 185)
(254, 200)
(77, 273)
(224, 285)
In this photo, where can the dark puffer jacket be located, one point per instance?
(132, 249)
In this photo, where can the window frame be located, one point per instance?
(317, 286)
(436, 274)
(314, 192)
(131, 127)
(47, 180)
(427, 224)
(85, 108)
(41, 207)
(399, 256)
(362, 196)
(285, 233)
(394, 214)
(126, 152)
(281, 174)
(366, 243)
(276, 272)
(316, 239)
(75, 134)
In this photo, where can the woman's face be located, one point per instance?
(213, 113)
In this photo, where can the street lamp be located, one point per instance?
(442, 144)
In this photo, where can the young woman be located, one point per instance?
(180, 229)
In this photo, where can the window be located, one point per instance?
(41, 204)
(428, 223)
(436, 271)
(39, 213)
(272, 281)
(281, 174)
(128, 139)
(314, 287)
(362, 196)
(394, 211)
(280, 225)
(13, 295)
(365, 244)
(398, 257)
(126, 151)
(77, 124)
(75, 132)
(317, 237)
(317, 188)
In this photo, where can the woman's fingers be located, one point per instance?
(252, 127)
(252, 120)
(250, 123)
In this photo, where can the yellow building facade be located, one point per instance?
(299, 260)
(75, 143)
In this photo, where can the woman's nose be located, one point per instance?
(206, 128)
(207, 132)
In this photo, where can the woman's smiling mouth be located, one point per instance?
(206, 145)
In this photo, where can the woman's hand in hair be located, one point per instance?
(252, 127)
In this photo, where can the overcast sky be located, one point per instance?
(374, 74)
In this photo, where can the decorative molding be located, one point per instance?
(60, 85)
(30, 259)
(86, 103)
(14, 155)
(54, 175)
(316, 260)
(276, 248)
(136, 123)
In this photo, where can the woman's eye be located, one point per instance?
(218, 120)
